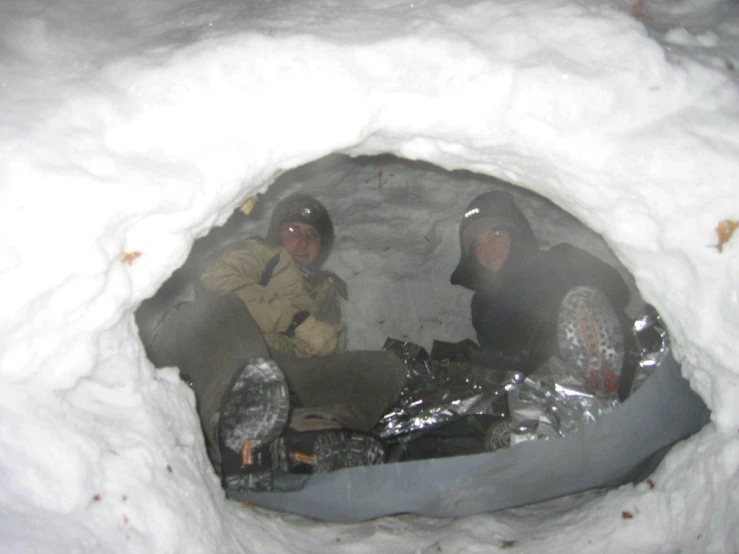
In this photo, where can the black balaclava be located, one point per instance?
(492, 210)
(302, 208)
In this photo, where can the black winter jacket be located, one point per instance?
(516, 320)
(514, 310)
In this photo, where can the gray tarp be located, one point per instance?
(609, 452)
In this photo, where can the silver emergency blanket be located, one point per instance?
(550, 403)
(652, 342)
(440, 391)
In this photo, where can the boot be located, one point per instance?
(328, 450)
(590, 339)
(253, 415)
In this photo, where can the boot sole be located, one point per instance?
(590, 338)
(256, 409)
(324, 451)
(336, 450)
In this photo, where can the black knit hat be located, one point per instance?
(301, 208)
(496, 209)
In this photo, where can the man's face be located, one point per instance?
(491, 248)
(302, 241)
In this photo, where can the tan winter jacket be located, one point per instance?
(275, 288)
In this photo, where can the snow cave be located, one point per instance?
(396, 243)
(130, 130)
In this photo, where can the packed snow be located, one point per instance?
(129, 130)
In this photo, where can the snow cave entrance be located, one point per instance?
(396, 245)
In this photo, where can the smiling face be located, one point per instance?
(302, 241)
(491, 248)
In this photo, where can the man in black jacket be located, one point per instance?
(533, 306)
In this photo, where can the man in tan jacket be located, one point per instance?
(262, 347)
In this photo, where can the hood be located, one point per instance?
(499, 210)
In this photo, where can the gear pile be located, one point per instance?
(443, 387)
